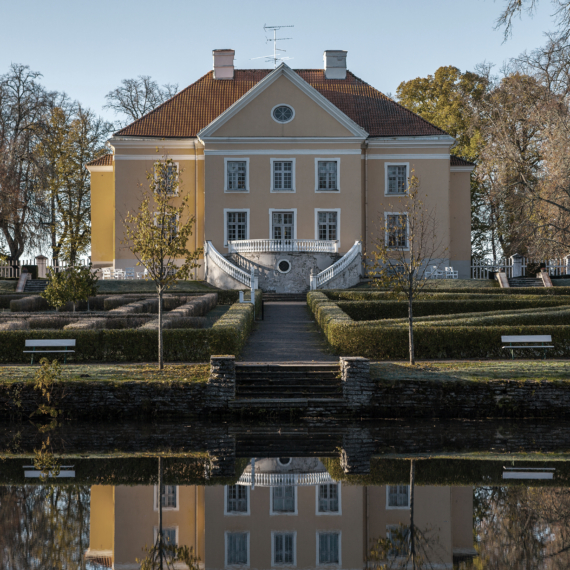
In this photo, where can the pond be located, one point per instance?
(294, 495)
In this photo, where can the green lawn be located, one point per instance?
(8, 285)
(141, 286)
(475, 371)
(114, 372)
(447, 284)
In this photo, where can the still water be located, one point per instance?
(393, 495)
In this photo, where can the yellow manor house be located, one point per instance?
(290, 173)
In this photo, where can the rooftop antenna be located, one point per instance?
(275, 58)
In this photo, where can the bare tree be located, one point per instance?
(137, 97)
(514, 8)
(406, 246)
(24, 107)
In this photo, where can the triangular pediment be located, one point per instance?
(251, 115)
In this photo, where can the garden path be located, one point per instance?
(287, 334)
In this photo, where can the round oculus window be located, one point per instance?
(284, 460)
(284, 266)
(283, 113)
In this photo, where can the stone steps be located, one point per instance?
(285, 297)
(525, 282)
(35, 285)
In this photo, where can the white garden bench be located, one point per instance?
(55, 345)
(527, 341)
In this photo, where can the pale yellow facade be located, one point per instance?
(247, 132)
(124, 520)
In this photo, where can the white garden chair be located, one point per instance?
(450, 273)
(119, 274)
(130, 273)
(107, 273)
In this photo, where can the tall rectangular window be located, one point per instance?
(328, 498)
(283, 176)
(329, 547)
(236, 549)
(284, 548)
(169, 225)
(236, 499)
(397, 230)
(236, 226)
(328, 222)
(170, 173)
(397, 179)
(283, 499)
(283, 227)
(398, 496)
(168, 496)
(168, 535)
(399, 537)
(327, 175)
(236, 175)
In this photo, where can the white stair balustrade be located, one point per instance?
(337, 268)
(282, 479)
(237, 273)
(282, 245)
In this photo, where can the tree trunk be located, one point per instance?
(412, 527)
(160, 347)
(160, 509)
(411, 325)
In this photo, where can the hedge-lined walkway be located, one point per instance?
(287, 334)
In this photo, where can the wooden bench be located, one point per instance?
(55, 345)
(530, 341)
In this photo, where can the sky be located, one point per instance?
(87, 48)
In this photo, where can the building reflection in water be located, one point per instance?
(284, 512)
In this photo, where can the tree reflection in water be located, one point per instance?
(521, 528)
(44, 527)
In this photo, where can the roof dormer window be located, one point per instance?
(282, 113)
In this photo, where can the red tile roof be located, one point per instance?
(458, 161)
(195, 107)
(105, 160)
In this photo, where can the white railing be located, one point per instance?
(337, 268)
(281, 479)
(212, 254)
(9, 271)
(285, 245)
(516, 266)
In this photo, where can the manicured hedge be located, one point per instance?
(375, 310)
(377, 340)
(29, 304)
(227, 336)
(359, 294)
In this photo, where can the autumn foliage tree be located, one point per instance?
(157, 234)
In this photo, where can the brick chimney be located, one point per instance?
(335, 64)
(223, 63)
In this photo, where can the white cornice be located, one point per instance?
(136, 142)
(411, 142)
(311, 92)
(281, 140)
(157, 157)
(442, 156)
(462, 168)
(280, 151)
(96, 168)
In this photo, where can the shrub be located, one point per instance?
(138, 306)
(50, 322)
(230, 332)
(176, 323)
(33, 269)
(16, 325)
(6, 299)
(115, 301)
(29, 304)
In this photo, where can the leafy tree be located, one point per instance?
(446, 99)
(74, 137)
(137, 97)
(72, 284)
(404, 249)
(158, 233)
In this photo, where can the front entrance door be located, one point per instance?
(283, 227)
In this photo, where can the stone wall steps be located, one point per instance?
(525, 282)
(35, 285)
(285, 297)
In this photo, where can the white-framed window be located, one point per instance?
(399, 537)
(282, 174)
(329, 548)
(397, 230)
(282, 113)
(168, 496)
(328, 499)
(170, 224)
(236, 174)
(397, 496)
(283, 548)
(169, 535)
(396, 178)
(327, 224)
(172, 171)
(236, 225)
(327, 174)
(283, 500)
(283, 224)
(237, 549)
(236, 500)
